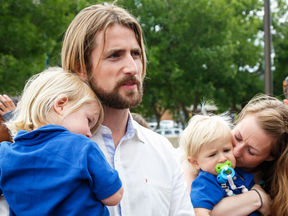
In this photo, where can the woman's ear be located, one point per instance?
(60, 102)
(194, 162)
(270, 158)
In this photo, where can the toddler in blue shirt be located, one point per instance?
(207, 142)
(53, 168)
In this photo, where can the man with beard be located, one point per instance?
(104, 45)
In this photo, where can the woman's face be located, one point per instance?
(251, 145)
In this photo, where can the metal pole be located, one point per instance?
(267, 49)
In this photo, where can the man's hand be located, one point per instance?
(6, 104)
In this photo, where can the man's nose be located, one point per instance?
(130, 66)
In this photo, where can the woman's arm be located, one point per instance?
(189, 175)
(243, 204)
(4, 132)
(265, 210)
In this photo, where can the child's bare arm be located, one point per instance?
(202, 212)
(114, 199)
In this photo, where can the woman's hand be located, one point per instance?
(265, 199)
(6, 104)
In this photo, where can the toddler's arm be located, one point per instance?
(202, 212)
(114, 199)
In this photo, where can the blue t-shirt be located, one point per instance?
(51, 171)
(206, 192)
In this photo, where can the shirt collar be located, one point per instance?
(134, 125)
(133, 129)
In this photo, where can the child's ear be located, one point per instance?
(60, 102)
(194, 162)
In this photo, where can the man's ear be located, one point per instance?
(285, 102)
(60, 102)
(81, 73)
(194, 162)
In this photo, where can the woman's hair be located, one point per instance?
(272, 117)
(201, 130)
(35, 108)
(80, 37)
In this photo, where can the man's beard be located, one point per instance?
(114, 99)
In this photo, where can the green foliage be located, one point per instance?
(196, 48)
(199, 49)
(280, 45)
(30, 30)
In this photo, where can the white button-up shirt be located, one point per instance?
(150, 170)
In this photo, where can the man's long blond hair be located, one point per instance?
(80, 37)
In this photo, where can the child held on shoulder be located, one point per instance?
(53, 168)
(207, 143)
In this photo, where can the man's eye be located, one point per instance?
(136, 53)
(116, 55)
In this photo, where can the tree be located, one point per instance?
(280, 45)
(30, 31)
(199, 53)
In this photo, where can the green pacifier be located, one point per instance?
(219, 167)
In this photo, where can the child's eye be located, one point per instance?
(89, 120)
(212, 155)
(227, 150)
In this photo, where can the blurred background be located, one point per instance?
(198, 51)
